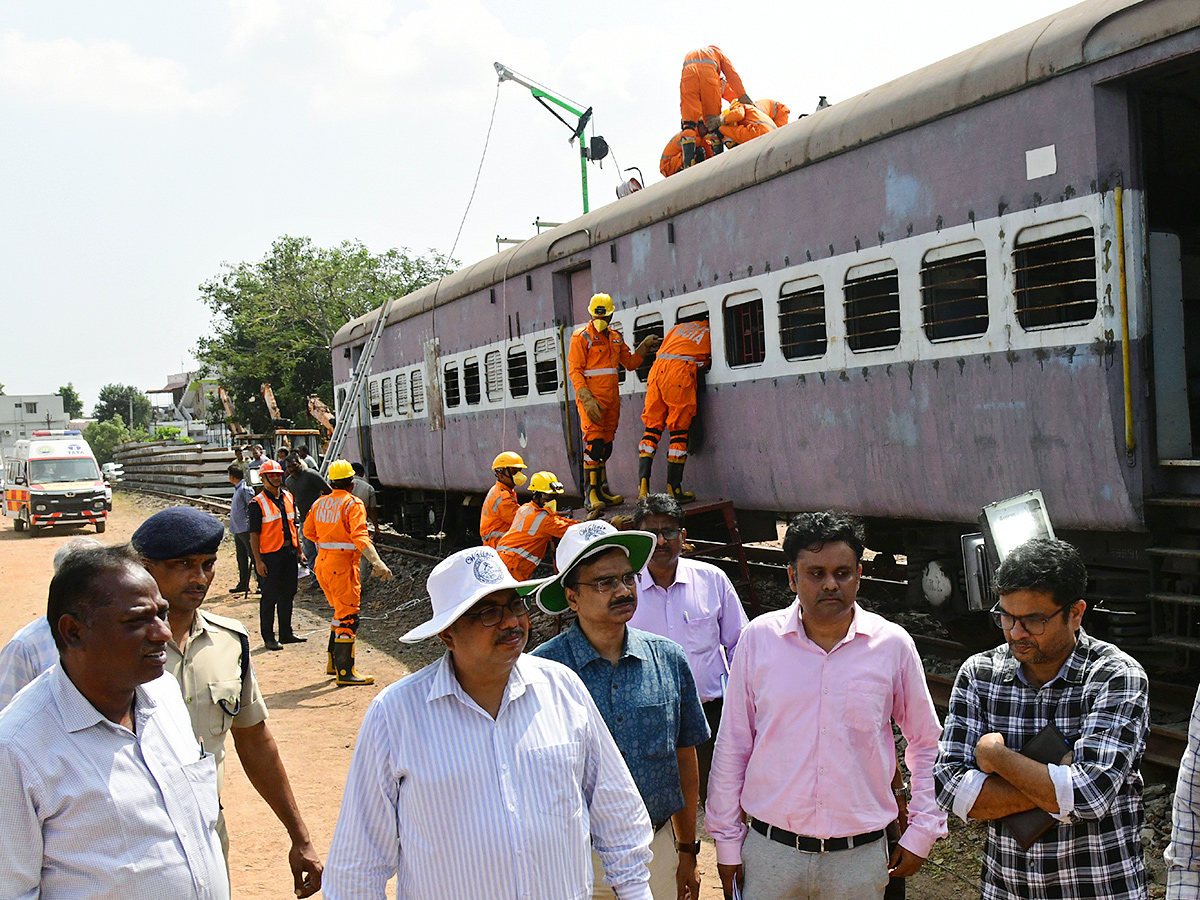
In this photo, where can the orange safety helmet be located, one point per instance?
(270, 467)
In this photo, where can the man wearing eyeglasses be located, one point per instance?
(1049, 670)
(642, 686)
(691, 602)
(209, 655)
(488, 774)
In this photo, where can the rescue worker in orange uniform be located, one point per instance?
(337, 524)
(500, 504)
(277, 552)
(707, 77)
(776, 111)
(671, 401)
(596, 351)
(672, 155)
(535, 525)
(743, 122)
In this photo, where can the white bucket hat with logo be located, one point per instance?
(583, 541)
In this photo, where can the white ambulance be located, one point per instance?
(53, 479)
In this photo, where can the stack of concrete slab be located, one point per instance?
(175, 467)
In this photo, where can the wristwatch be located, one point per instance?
(692, 848)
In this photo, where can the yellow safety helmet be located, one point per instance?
(508, 460)
(340, 469)
(601, 305)
(545, 483)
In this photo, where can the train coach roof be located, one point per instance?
(1077, 36)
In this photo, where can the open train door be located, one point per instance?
(572, 290)
(363, 429)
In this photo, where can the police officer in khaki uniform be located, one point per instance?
(210, 657)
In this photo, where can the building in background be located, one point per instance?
(20, 414)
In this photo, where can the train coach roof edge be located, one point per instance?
(1077, 36)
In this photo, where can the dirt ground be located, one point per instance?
(315, 723)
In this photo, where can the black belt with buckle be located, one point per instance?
(812, 844)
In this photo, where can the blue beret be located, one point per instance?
(178, 531)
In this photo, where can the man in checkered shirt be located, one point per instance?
(1183, 853)
(1050, 669)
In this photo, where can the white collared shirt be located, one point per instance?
(89, 809)
(461, 805)
(28, 654)
(699, 610)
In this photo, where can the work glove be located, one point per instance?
(594, 410)
(648, 345)
(378, 568)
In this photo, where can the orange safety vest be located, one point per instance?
(524, 545)
(337, 521)
(270, 538)
(499, 509)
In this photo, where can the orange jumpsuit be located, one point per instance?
(671, 388)
(499, 507)
(700, 85)
(592, 362)
(776, 111)
(337, 524)
(672, 155)
(526, 543)
(744, 123)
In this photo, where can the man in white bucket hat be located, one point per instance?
(489, 773)
(643, 686)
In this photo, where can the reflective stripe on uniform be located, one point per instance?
(517, 551)
(337, 546)
(702, 60)
(677, 356)
(493, 534)
(588, 373)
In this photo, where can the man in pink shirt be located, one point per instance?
(806, 746)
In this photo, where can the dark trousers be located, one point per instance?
(704, 752)
(245, 559)
(278, 592)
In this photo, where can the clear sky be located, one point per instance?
(146, 143)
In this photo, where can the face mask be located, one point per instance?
(600, 324)
(519, 479)
(551, 505)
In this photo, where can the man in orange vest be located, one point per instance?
(535, 525)
(743, 122)
(277, 551)
(596, 351)
(708, 76)
(500, 504)
(776, 111)
(671, 401)
(337, 524)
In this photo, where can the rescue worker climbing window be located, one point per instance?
(671, 402)
(536, 524)
(500, 505)
(707, 77)
(337, 524)
(596, 351)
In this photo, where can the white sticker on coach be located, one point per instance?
(1040, 162)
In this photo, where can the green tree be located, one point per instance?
(102, 437)
(71, 402)
(115, 399)
(274, 320)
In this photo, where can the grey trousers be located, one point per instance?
(777, 872)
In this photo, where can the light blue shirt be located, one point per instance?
(239, 508)
(29, 653)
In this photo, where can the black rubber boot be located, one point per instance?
(331, 669)
(606, 493)
(343, 660)
(675, 482)
(595, 498)
(645, 463)
(689, 152)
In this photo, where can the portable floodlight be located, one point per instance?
(1006, 525)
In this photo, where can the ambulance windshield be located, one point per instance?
(52, 471)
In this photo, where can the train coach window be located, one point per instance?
(545, 366)
(471, 380)
(385, 396)
(872, 303)
(341, 400)
(373, 393)
(802, 319)
(954, 297)
(643, 326)
(417, 391)
(692, 312)
(518, 372)
(745, 334)
(450, 380)
(493, 372)
(402, 395)
(1055, 277)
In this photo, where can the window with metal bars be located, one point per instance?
(417, 391)
(802, 319)
(643, 327)
(471, 380)
(872, 306)
(745, 333)
(385, 395)
(373, 393)
(954, 297)
(450, 380)
(402, 395)
(1056, 279)
(545, 365)
(518, 372)
(493, 371)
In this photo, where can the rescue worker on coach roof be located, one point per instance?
(596, 351)
(672, 155)
(671, 401)
(500, 505)
(535, 525)
(743, 122)
(776, 111)
(337, 524)
(707, 77)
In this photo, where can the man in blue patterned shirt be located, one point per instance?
(642, 685)
(1183, 853)
(1049, 670)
